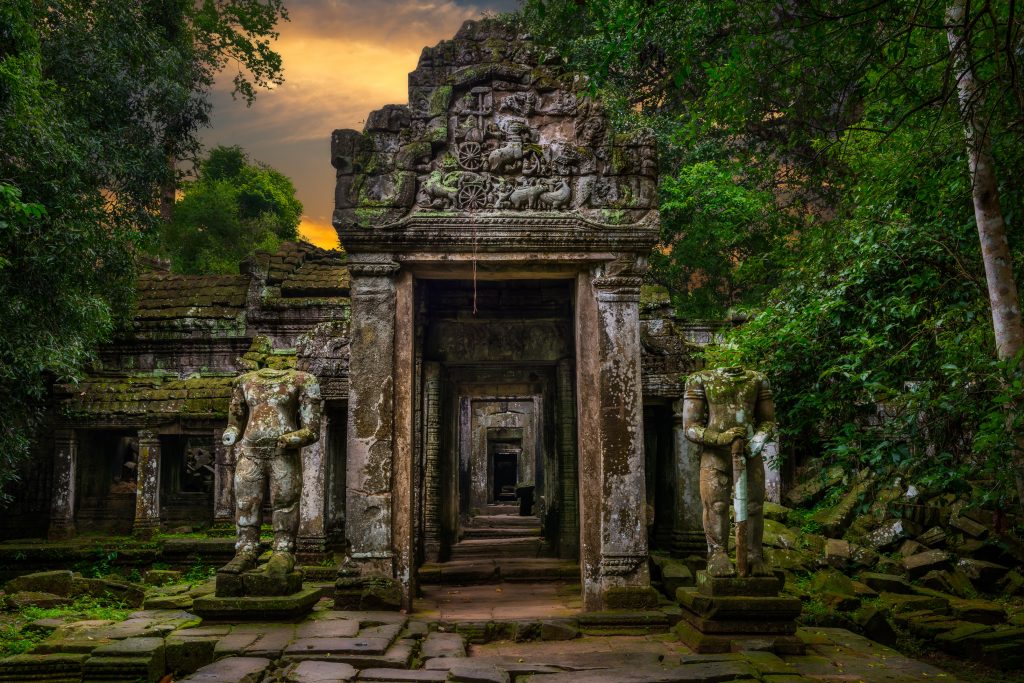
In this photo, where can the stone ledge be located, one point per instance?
(259, 608)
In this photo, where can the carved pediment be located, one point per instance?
(492, 133)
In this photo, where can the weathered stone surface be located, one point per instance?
(235, 669)
(399, 676)
(443, 645)
(887, 535)
(831, 581)
(51, 667)
(984, 575)
(477, 673)
(909, 603)
(954, 582)
(186, 654)
(130, 594)
(140, 659)
(262, 583)
(675, 575)
(319, 672)
(251, 608)
(978, 611)
(159, 577)
(57, 582)
(35, 599)
(922, 563)
(874, 625)
(887, 583)
(558, 629)
(933, 537)
(968, 526)
(838, 553)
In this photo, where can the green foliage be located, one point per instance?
(231, 210)
(16, 639)
(198, 572)
(95, 98)
(814, 174)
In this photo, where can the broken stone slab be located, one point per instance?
(690, 673)
(831, 581)
(933, 537)
(675, 575)
(182, 601)
(886, 583)
(920, 564)
(312, 671)
(897, 603)
(910, 547)
(559, 629)
(43, 627)
(838, 553)
(813, 488)
(39, 599)
(233, 644)
(778, 535)
(51, 667)
(984, 575)
(131, 594)
(968, 526)
(57, 582)
(977, 611)
(235, 669)
(1012, 583)
(271, 642)
(339, 646)
(891, 532)
(834, 520)
(840, 602)
(954, 582)
(443, 645)
(186, 654)
(776, 512)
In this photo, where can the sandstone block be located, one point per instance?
(235, 669)
(56, 582)
(922, 563)
(319, 672)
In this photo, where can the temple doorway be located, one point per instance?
(498, 469)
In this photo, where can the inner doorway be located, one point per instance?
(499, 474)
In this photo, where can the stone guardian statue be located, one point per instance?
(273, 414)
(730, 412)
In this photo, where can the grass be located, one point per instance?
(15, 638)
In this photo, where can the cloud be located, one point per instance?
(319, 233)
(342, 59)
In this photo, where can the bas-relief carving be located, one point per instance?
(491, 129)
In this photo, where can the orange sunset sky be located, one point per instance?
(342, 59)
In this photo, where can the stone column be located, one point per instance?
(223, 481)
(772, 473)
(402, 503)
(432, 461)
(568, 547)
(62, 504)
(312, 537)
(370, 432)
(610, 409)
(688, 524)
(147, 485)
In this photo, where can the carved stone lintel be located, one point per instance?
(372, 268)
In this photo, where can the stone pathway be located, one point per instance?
(499, 601)
(386, 647)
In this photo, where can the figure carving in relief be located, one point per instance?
(525, 196)
(730, 413)
(272, 414)
(558, 197)
(436, 193)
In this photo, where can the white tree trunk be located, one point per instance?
(995, 250)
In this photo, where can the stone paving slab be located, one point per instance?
(328, 628)
(319, 672)
(399, 676)
(235, 669)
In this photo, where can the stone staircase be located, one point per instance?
(500, 545)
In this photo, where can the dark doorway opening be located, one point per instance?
(505, 464)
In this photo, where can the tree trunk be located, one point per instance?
(995, 250)
(168, 191)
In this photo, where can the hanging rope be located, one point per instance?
(474, 268)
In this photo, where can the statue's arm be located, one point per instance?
(237, 413)
(309, 416)
(764, 417)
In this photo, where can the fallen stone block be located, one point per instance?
(874, 625)
(57, 582)
(132, 659)
(968, 526)
(51, 667)
(400, 676)
(891, 532)
(559, 629)
(39, 599)
(983, 575)
(934, 537)
(920, 564)
(978, 611)
(886, 583)
(477, 673)
(159, 577)
(675, 575)
(831, 581)
(186, 654)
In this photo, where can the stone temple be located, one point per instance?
(499, 384)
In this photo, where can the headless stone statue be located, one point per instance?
(725, 409)
(275, 412)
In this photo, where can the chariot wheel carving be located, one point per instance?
(469, 156)
(472, 197)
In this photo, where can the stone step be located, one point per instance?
(503, 521)
(483, 571)
(501, 510)
(501, 532)
(497, 547)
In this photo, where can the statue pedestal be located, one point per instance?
(733, 614)
(257, 596)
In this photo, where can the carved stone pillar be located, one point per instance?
(772, 473)
(147, 485)
(610, 410)
(223, 481)
(569, 536)
(432, 461)
(62, 504)
(370, 433)
(688, 524)
(312, 538)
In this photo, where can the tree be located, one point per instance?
(231, 210)
(94, 96)
(847, 113)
